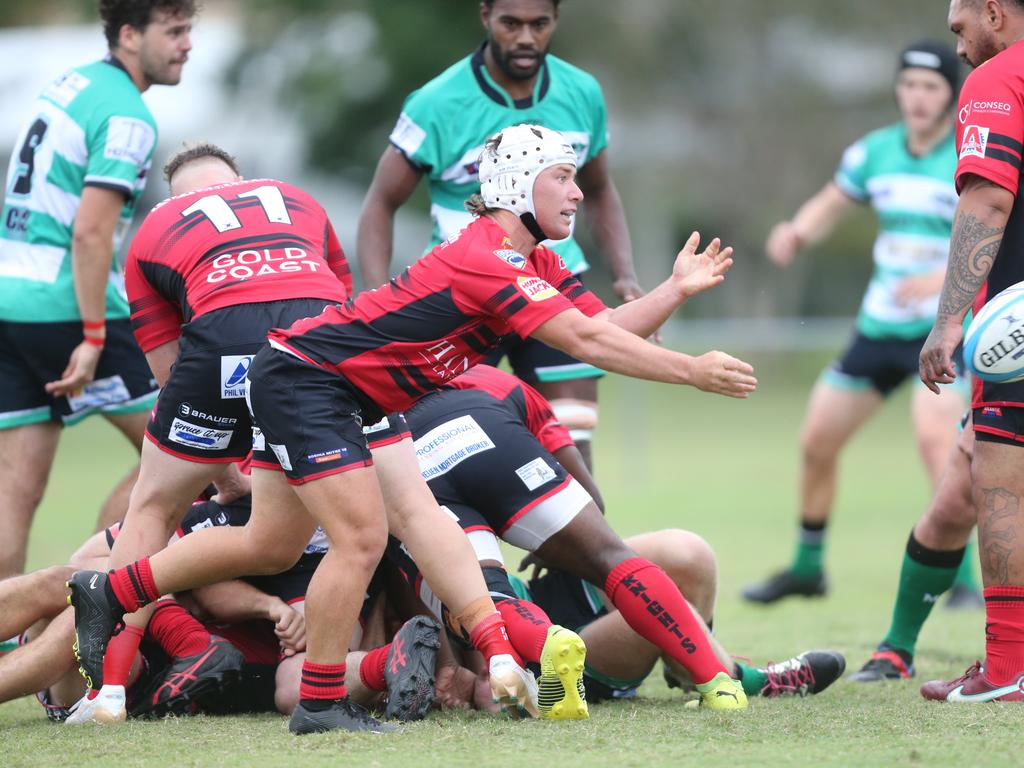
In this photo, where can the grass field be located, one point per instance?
(665, 457)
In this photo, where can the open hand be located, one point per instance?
(696, 272)
(724, 374)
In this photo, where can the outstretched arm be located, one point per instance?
(393, 183)
(606, 345)
(692, 273)
(813, 222)
(978, 226)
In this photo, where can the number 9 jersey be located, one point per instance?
(245, 242)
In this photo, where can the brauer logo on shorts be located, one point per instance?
(233, 369)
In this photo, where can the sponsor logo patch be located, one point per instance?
(282, 455)
(448, 445)
(380, 426)
(991, 411)
(259, 442)
(975, 141)
(535, 473)
(536, 288)
(98, 393)
(197, 436)
(129, 140)
(323, 457)
(233, 369)
(512, 258)
(187, 410)
(66, 87)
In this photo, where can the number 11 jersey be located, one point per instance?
(246, 242)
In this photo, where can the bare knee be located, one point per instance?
(685, 556)
(270, 554)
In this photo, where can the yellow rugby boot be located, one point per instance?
(722, 692)
(560, 692)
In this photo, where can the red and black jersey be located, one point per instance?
(990, 138)
(241, 243)
(439, 317)
(527, 402)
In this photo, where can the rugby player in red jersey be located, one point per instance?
(210, 271)
(380, 352)
(495, 456)
(984, 258)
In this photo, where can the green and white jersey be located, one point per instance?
(444, 124)
(89, 127)
(915, 200)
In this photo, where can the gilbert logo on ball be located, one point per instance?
(994, 343)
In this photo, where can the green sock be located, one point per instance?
(965, 574)
(925, 575)
(810, 550)
(751, 678)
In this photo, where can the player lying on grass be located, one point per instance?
(932, 560)
(377, 354)
(263, 617)
(495, 457)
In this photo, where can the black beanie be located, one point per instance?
(936, 56)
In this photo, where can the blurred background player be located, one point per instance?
(78, 169)
(933, 557)
(904, 172)
(984, 259)
(511, 78)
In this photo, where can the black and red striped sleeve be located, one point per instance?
(990, 128)
(336, 259)
(155, 319)
(552, 268)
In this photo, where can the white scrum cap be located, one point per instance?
(509, 169)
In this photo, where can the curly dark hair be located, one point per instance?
(198, 152)
(138, 13)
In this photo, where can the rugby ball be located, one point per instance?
(994, 342)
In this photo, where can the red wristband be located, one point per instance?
(94, 325)
(96, 341)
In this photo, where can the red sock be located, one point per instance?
(133, 585)
(371, 668)
(653, 606)
(177, 631)
(1004, 634)
(490, 637)
(322, 681)
(121, 652)
(527, 626)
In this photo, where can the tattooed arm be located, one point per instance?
(981, 217)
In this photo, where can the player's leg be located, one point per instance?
(115, 507)
(933, 556)
(574, 402)
(41, 662)
(839, 406)
(935, 419)
(648, 599)
(997, 487)
(26, 456)
(26, 599)
(448, 562)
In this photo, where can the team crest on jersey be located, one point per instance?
(513, 258)
(975, 141)
(535, 288)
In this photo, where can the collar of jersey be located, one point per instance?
(495, 93)
(116, 63)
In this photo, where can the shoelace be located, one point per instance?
(972, 671)
(787, 678)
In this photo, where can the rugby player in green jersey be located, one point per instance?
(510, 79)
(78, 169)
(905, 173)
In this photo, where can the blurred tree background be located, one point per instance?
(725, 114)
